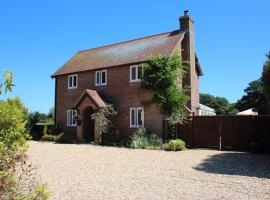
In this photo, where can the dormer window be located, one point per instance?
(101, 77)
(136, 73)
(72, 81)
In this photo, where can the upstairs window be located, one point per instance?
(72, 81)
(101, 77)
(136, 117)
(71, 117)
(136, 73)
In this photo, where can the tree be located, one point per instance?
(51, 113)
(254, 98)
(221, 105)
(266, 81)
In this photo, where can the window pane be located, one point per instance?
(133, 117)
(140, 113)
(133, 73)
(68, 117)
(140, 72)
(70, 81)
(74, 114)
(97, 78)
(74, 81)
(103, 77)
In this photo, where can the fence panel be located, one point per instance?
(184, 131)
(261, 132)
(227, 132)
(205, 132)
(236, 132)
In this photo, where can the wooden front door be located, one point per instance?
(88, 125)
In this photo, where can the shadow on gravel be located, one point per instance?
(236, 163)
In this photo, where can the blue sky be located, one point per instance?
(38, 37)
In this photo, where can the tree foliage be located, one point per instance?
(6, 83)
(221, 105)
(254, 98)
(266, 81)
(163, 76)
(37, 117)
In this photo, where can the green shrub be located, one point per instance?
(154, 142)
(139, 139)
(17, 177)
(142, 140)
(49, 138)
(66, 138)
(113, 138)
(53, 129)
(174, 145)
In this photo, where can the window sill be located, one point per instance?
(136, 126)
(71, 125)
(137, 81)
(100, 85)
(72, 88)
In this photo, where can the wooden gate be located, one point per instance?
(225, 132)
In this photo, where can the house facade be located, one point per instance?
(112, 74)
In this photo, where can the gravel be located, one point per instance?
(83, 171)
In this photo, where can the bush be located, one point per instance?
(154, 142)
(174, 145)
(53, 129)
(49, 138)
(141, 140)
(113, 138)
(17, 178)
(66, 138)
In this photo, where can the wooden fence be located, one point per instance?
(225, 132)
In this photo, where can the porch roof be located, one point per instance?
(94, 96)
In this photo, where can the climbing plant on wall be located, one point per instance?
(163, 76)
(101, 118)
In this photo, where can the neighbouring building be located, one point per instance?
(206, 111)
(112, 74)
(251, 111)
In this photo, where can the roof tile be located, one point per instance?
(133, 51)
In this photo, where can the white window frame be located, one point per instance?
(99, 74)
(71, 114)
(136, 109)
(72, 81)
(136, 73)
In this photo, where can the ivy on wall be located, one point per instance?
(163, 76)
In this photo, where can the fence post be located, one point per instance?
(220, 138)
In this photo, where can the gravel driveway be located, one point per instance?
(94, 172)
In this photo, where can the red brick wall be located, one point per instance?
(118, 92)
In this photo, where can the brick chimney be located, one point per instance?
(188, 54)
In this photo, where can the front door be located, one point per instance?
(88, 125)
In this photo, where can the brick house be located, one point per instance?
(112, 74)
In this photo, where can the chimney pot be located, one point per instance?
(186, 13)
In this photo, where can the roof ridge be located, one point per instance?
(128, 41)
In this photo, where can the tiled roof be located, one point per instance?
(94, 96)
(133, 51)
